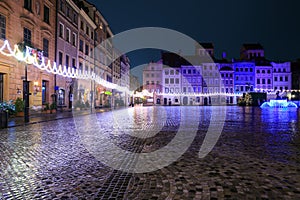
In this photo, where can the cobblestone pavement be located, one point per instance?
(256, 157)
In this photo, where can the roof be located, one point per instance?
(253, 46)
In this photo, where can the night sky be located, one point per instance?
(228, 24)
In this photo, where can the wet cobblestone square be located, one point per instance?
(255, 157)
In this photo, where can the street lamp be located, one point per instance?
(20, 57)
(26, 96)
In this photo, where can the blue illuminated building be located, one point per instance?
(244, 76)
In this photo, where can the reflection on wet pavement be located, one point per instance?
(256, 157)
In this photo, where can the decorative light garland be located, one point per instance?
(71, 72)
(44, 65)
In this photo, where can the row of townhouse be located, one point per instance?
(70, 33)
(211, 81)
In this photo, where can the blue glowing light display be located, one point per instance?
(278, 103)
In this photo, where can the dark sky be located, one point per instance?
(227, 23)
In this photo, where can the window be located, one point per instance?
(166, 81)
(263, 71)
(61, 5)
(46, 14)
(251, 70)
(237, 78)
(45, 47)
(286, 78)
(258, 81)
(2, 27)
(257, 71)
(177, 71)
(68, 11)
(166, 90)
(74, 39)
(237, 69)
(1, 87)
(246, 69)
(86, 49)
(87, 30)
(81, 45)
(269, 81)
(177, 80)
(171, 72)
(44, 92)
(28, 4)
(184, 71)
(152, 82)
(61, 97)
(189, 71)
(284, 70)
(75, 18)
(92, 35)
(81, 25)
(67, 61)
(61, 30)
(263, 81)
(147, 82)
(27, 36)
(172, 81)
(281, 79)
(166, 72)
(80, 66)
(60, 57)
(68, 35)
(275, 79)
(74, 63)
(269, 71)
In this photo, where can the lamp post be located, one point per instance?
(26, 96)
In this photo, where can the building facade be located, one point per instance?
(282, 76)
(66, 50)
(31, 25)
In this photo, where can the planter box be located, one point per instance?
(20, 114)
(3, 119)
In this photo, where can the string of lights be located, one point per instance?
(30, 57)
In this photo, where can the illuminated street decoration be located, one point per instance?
(278, 103)
(38, 60)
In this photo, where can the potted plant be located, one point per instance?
(53, 107)
(19, 107)
(6, 109)
(47, 108)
